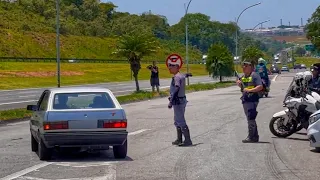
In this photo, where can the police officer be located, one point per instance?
(314, 85)
(154, 79)
(250, 84)
(178, 101)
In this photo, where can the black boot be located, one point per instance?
(253, 136)
(186, 134)
(179, 137)
(250, 140)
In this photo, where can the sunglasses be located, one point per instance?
(245, 65)
(172, 65)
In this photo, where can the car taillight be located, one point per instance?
(115, 124)
(55, 125)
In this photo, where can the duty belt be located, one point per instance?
(182, 97)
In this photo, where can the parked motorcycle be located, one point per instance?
(300, 104)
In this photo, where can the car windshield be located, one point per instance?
(90, 100)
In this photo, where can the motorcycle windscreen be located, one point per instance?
(290, 88)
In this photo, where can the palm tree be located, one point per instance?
(134, 47)
(219, 61)
(252, 54)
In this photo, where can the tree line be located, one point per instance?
(312, 28)
(100, 19)
(139, 35)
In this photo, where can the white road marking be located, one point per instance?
(18, 102)
(26, 171)
(110, 171)
(138, 132)
(275, 77)
(114, 92)
(27, 96)
(18, 123)
(85, 164)
(110, 175)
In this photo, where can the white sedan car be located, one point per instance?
(313, 130)
(85, 117)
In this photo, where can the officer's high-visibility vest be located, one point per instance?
(247, 82)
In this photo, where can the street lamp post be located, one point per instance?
(58, 42)
(237, 25)
(186, 24)
(259, 24)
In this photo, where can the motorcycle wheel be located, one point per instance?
(288, 131)
(299, 127)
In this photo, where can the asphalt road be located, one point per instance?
(217, 125)
(10, 99)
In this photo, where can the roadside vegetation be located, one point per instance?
(19, 114)
(91, 29)
(26, 75)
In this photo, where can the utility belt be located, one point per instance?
(249, 97)
(178, 100)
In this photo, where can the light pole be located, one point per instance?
(186, 24)
(237, 25)
(259, 24)
(58, 42)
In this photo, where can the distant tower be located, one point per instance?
(280, 22)
(301, 22)
(289, 24)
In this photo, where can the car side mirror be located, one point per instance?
(32, 107)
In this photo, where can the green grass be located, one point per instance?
(32, 44)
(136, 96)
(307, 61)
(87, 73)
(14, 114)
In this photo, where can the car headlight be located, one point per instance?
(314, 118)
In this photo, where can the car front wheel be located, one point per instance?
(120, 151)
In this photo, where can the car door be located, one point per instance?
(39, 114)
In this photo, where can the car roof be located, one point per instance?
(78, 89)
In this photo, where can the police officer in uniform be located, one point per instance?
(154, 79)
(178, 101)
(250, 84)
(314, 85)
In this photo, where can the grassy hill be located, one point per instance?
(32, 44)
(292, 39)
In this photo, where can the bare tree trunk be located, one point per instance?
(135, 67)
(137, 82)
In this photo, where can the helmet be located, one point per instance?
(298, 76)
(315, 67)
(307, 75)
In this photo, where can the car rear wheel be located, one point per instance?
(44, 153)
(120, 152)
(34, 144)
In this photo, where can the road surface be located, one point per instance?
(217, 126)
(10, 99)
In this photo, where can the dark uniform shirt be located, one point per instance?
(154, 74)
(180, 81)
(314, 84)
(250, 82)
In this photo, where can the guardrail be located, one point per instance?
(72, 60)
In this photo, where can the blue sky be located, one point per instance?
(227, 10)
